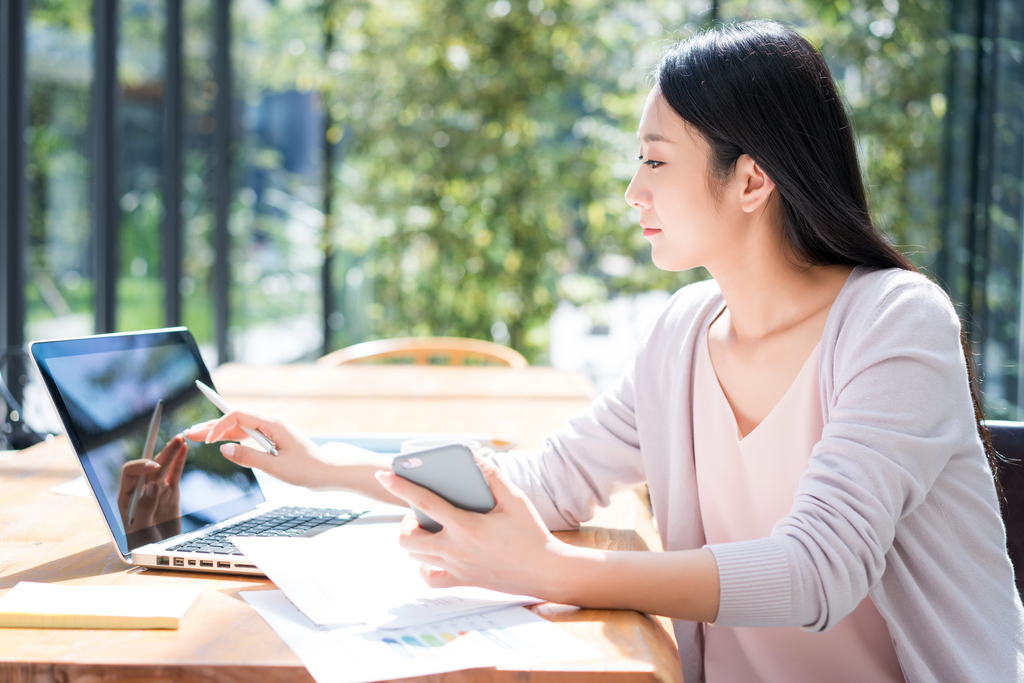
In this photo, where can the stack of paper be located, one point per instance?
(45, 605)
(360, 575)
(512, 637)
(352, 595)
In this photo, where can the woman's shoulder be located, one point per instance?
(681, 318)
(871, 293)
(890, 311)
(693, 296)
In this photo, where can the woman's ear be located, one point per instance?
(754, 185)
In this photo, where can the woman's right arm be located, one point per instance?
(579, 466)
(299, 461)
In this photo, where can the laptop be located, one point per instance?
(105, 390)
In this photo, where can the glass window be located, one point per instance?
(199, 92)
(140, 287)
(474, 158)
(277, 210)
(59, 63)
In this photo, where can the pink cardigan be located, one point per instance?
(897, 499)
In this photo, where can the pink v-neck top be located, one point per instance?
(896, 502)
(747, 484)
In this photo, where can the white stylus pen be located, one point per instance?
(223, 406)
(147, 453)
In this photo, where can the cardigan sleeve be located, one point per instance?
(897, 408)
(582, 464)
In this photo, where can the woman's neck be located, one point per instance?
(768, 296)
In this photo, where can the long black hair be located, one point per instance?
(759, 88)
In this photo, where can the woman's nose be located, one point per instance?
(636, 195)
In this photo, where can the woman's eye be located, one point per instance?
(652, 163)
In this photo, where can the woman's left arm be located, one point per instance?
(511, 550)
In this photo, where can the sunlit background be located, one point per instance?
(346, 170)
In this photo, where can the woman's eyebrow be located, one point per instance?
(653, 137)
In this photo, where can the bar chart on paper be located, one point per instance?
(510, 636)
(493, 634)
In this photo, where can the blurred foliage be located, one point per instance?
(489, 158)
(57, 169)
(891, 59)
(488, 144)
(197, 206)
(481, 152)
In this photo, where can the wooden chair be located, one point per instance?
(427, 350)
(1008, 440)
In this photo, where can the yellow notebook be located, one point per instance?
(45, 605)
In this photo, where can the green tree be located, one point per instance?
(485, 146)
(486, 157)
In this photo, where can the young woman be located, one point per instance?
(804, 420)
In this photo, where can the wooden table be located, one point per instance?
(518, 405)
(61, 539)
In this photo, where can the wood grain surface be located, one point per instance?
(401, 381)
(55, 538)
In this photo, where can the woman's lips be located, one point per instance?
(650, 231)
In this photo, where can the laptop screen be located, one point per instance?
(106, 390)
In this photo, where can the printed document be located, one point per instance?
(358, 574)
(512, 637)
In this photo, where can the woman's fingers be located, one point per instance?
(146, 506)
(506, 494)
(503, 490)
(177, 465)
(428, 560)
(426, 501)
(170, 450)
(198, 431)
(435, 577)
(414, 538)
(250, 457)
(203, 431)
(230, 426)
(131, 471)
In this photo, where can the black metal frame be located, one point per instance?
(173, 167)
(327, 235)
(106, 206)
(222, 187)
(983, 152)
(106, 214)
(981, 139)
(13, 221)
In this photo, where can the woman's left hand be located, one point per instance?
(508, 549)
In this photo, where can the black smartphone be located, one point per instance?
(449, 471)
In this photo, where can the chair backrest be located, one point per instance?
(1008, 440)
(427, 350)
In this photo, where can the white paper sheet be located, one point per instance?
(359, 575)
(508, 638)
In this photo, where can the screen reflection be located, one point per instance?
(109, 396)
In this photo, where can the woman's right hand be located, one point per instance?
(298, 460)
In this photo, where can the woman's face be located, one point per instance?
(683, 222)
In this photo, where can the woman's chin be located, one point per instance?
(671, 263)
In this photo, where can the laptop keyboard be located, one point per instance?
(287, 521)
